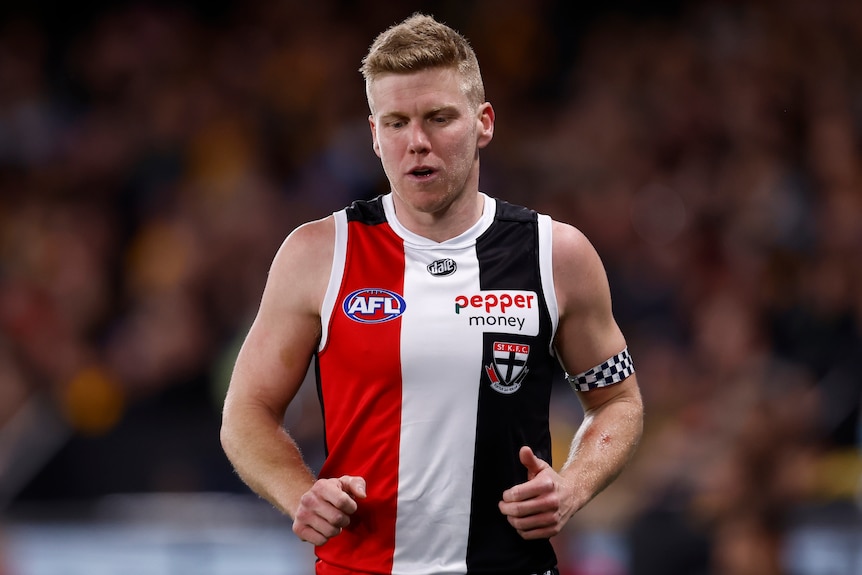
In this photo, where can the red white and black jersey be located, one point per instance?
(434, 368)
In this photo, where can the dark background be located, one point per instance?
(154, 155)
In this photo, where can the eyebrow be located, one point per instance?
(448, 109)
(443, 110)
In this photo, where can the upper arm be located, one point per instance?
(276, 353)
(587, 333)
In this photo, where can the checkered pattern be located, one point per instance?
(612, 371)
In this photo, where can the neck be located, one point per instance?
(450, 221)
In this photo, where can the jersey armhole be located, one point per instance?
(546, 270)
(336, 274)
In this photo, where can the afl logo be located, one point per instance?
(442, 268)
(373, 305)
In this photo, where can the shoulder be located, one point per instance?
(367, 211)
(506, 211)
(307, 244)
(302, 264)
(573, 251)
(579, 275)
(313, 234)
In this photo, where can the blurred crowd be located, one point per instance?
(154, 156)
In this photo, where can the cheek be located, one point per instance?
(385, 150)
(390, 160)
(461, 154)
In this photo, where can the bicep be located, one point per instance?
(277, 350)
(587, 333)
(273, 361)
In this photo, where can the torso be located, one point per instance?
(434, 368)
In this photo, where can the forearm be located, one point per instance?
(264, 456)
(603, 445)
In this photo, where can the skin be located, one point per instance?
(427, 135)
(425, 122)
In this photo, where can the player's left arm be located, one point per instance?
(587, 336)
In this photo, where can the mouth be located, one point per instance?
(422, 172)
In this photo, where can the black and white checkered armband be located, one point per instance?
(612, 371)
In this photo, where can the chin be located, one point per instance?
(430, 202)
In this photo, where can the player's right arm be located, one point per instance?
(269, 370)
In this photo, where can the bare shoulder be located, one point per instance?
(579, 275)
(302, 264)
(570, 242)
(314, 235)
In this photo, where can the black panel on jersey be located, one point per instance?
(367, 211)
(319, 387)
(508, 255)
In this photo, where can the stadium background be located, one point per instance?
(154, 155)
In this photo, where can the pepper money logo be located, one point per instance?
(501, 311)
(373, 305)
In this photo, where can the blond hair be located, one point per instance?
(418, 43)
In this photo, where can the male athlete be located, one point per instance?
(435, 315)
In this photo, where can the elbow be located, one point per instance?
(226, 433)
(224, 437)
(636, 414)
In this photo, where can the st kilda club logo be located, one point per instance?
(509, 367)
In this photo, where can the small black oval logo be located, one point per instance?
(444, 267)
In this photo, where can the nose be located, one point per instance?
(419, 142)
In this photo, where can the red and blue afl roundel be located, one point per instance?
(373, 305)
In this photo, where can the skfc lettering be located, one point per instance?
(511, 348)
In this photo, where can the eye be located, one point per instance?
(393, 121)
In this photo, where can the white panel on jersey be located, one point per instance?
(440, 365)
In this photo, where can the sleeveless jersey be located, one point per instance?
(435, 366)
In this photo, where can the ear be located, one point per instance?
(374, 143)
(485, 119)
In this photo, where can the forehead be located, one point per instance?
(424, 89)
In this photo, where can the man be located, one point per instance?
(435, 315)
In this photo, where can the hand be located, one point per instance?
(325, 509)
(539, 508)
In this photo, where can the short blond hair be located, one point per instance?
(418, 43)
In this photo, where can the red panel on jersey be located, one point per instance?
(359, 394)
